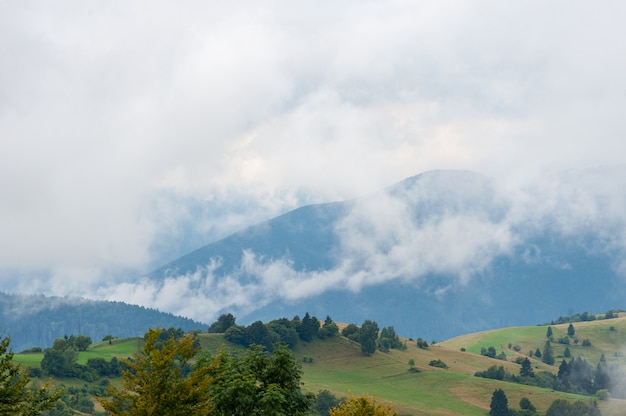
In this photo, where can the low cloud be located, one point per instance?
(409, 233)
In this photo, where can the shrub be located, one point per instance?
(437, 363)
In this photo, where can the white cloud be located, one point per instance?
(112, 114)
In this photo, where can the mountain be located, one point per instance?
(437, 255)
(36, 320)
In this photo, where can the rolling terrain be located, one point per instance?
(338, 365)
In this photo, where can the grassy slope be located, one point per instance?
(339, 366)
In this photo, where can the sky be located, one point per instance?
(133, 132)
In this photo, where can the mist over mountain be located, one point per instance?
(36, 320)
(436, 255)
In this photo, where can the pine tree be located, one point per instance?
(570, 330)
(526, 370)
(547, 356)
(549, 332)
(499, 404)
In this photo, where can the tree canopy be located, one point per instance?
(15, 397)
(158, 381)
(362, 406)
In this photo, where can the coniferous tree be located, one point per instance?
(570, 330)
(547, 355)
(499, 404)
(527, 369)
(549, 332)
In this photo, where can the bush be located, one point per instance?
(437, 363)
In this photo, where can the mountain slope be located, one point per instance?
(436, 255)
(35, 320)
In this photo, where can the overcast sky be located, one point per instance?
(132, 131)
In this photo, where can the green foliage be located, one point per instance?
(222, 324)
(499, 404)
(570, 330)
(362, 406)
(15, 396)
(368, 337)
(547, 356)
(526, 370)
(352, 332)
(525, 404)
(586, 343)
(388, 339)
(437, 363)
(494, 372)
(422, 344)
(258, 383)
(329, 329)
(325, 401)
(157, 382)
(308, 328)
(562, 407)
(549, 332)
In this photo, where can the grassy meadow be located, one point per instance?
(338, 365)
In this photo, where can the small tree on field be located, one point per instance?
(547, 356)
(570, 330)
(526, 370)
(499, 404)
(549, 332)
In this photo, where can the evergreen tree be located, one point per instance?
(547, 356)
(499, 404)
(525, 404)
(526, 370)
(549, 332)
(570, 330)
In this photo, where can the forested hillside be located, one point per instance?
(37, 320)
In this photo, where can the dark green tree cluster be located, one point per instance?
(562, 407)
(422, 344)
(352, 332)
(222, 324)
(16, 398)
(368, 335)
(494, 372)
(491, 352)
(258, 382)
(324, 401)
(578, 376)
(281, 331)
(500, 407)
(388, 339)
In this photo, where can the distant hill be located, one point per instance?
(437, 255)
(36, 320)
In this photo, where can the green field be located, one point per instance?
(339, 366)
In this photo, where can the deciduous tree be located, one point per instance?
(362, 406)
(368, 337)
(157, 382)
